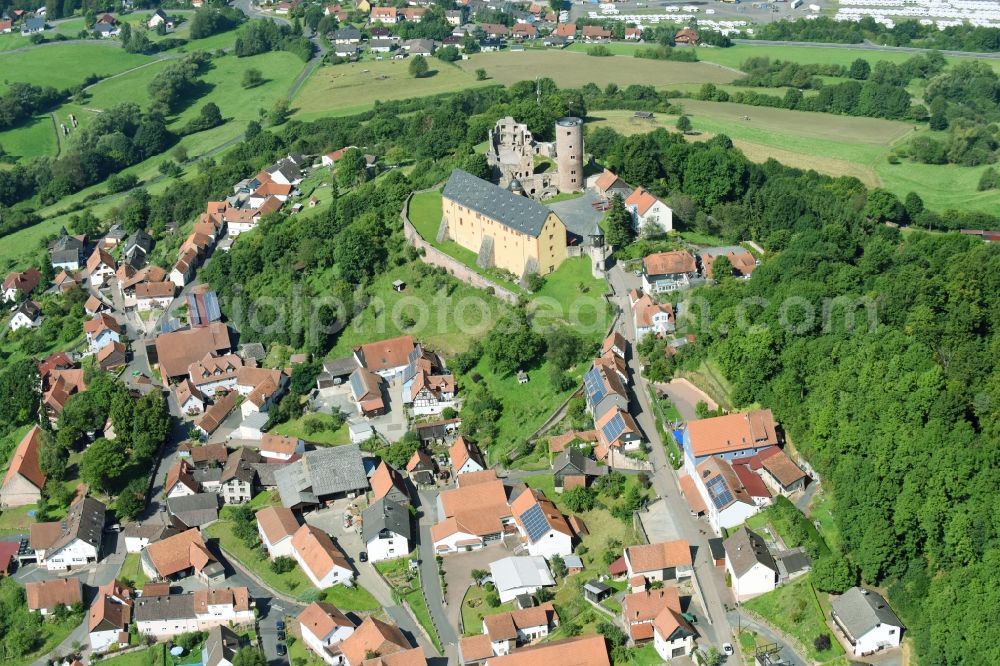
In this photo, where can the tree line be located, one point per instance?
(905, 32)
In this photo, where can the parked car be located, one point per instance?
(727, 648)
(280, 625)
(281, 650)
(363, 556)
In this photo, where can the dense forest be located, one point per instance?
(902, 419)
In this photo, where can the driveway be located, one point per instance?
(685, 397)
(657, 523)
(392, 425)
(458, 572)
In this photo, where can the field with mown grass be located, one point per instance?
(796, 609)
(351, 88)
(66, 64)
(831, 144)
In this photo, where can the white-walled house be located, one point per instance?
(386, 530)
(72, 542)
(543, 527)
(865, 620)
(650, 317)
(28, 315)
(323, 626)
(320, 558)
(666, 560)
(277, 525)
(728, 501)
(672, 636)
(109, 616)
(749, 563)
(514, 576)
(465, 458)
(645, 209)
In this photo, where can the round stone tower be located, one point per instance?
(569, 154)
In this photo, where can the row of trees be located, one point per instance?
(906, 32)
(264, 35)
(24, 100)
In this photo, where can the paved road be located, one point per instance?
(717, 597)
(429, 573)
(788, 656)
(666, 484)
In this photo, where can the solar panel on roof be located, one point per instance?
(534, 523)
(614, 428)
(594, 384)
(719, 492)
(356, 385)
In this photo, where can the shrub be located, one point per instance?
(599, 51)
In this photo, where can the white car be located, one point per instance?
(727, 649)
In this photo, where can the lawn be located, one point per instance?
(794, 609)
(294, 583)
(66, 64)
(783, 517)
(132, 570)
(474, 607)
(33, 138)
(355, 87)
(407, 587)
(296, 428)
(821, 510)
(354, 598)
(16, 520)
(444, 313)
(572, 296)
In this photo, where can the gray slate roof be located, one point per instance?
(861, 610)
(745, 549)
(165, 607)
(321, 473)
(84, 521)
(194, 510)
(385, 514)
(205, 475)
(575, 460)
(221, 645)
(518, 213)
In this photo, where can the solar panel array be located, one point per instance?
(614, 428)
(534, 523)
(357, 386)
(594, 384)
(719, 492)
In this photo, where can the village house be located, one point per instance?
(604, 391)
(109, 617)
(74, 541)
(190, 400)
(780, 472)
(742, 262)
(277, 525)
(280, 448)
(572, 469)
(19, 285)
(322, 475)
(149, 295)
(737, 435)
(421, 468)
(865, 620)
(212, 374)
(595, 33)
(384, 15)
(580, 651)
(193, 510)
(504, 632)
(101, 330)
(750, 565)
(64, 282)
(159, 18)
(180, 555)
(24, 480)
(386, 529)
(668, 271)
(165, 616)
(727, 498)
(323, 628)
(617, 431)
(239, 476)
(472, 515)
(650, 317)
(112, 356)
(138, 536)
(43, 597)
(541, 526)
(388, 483)
(386, 358)
(222, 643)
(647, 209)
(655, 615)
(514, 576)
(27, 315)
(427, 385)
(664, 561)
(505, 230)
(374, 637)
(320, 558)
(101, 266)
(177, 350)
(62, 385)
(366, 392)
(180, 480)
(465, 457)
(686, 36)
